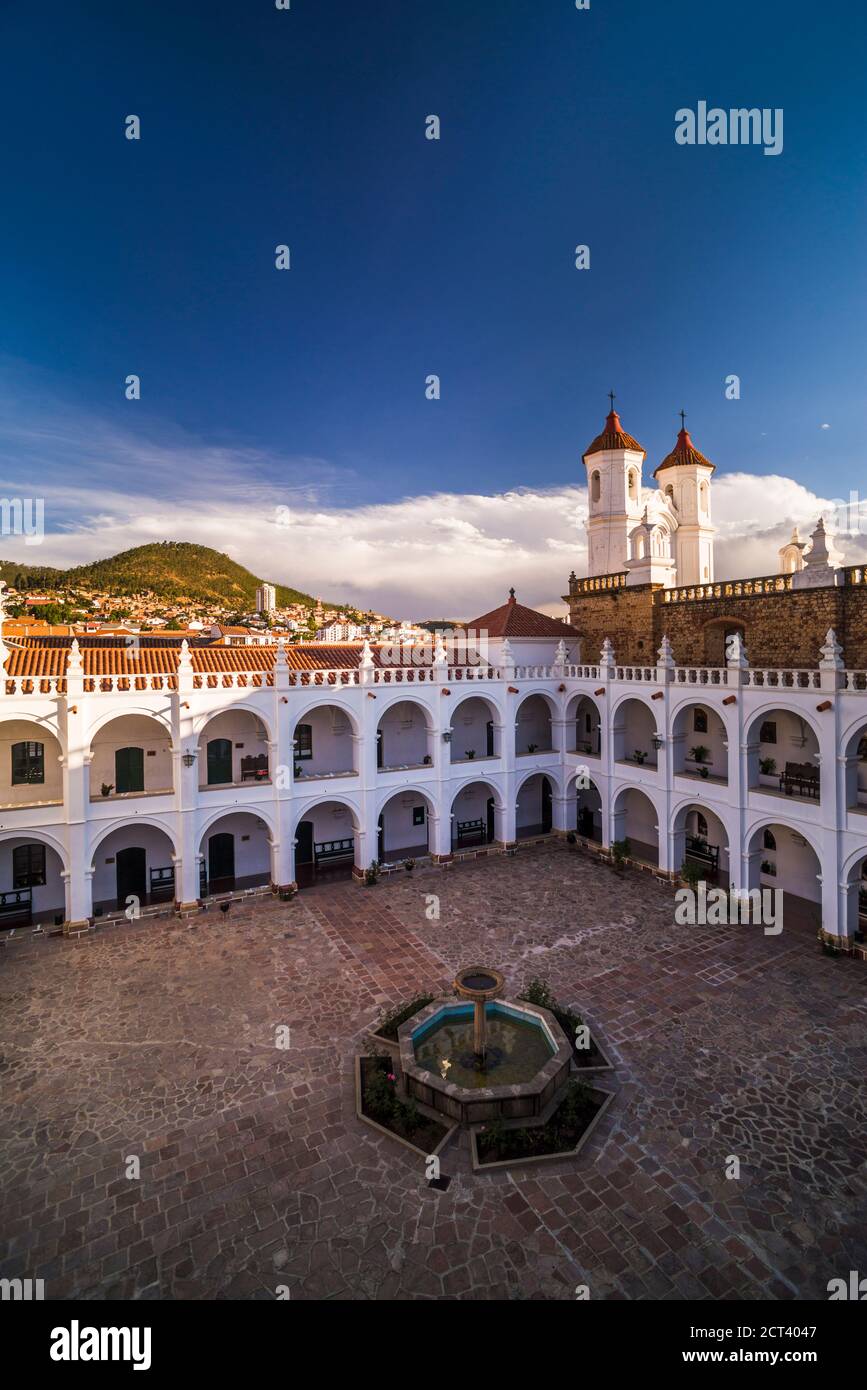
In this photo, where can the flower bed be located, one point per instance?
(378, 1102)
(562, 1135)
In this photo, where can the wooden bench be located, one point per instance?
(802, 778)
(467, 828)
(702, 853)
(16, 908)
(254, 769)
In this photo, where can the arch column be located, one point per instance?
(76, 799)
(185, 776)
(560, 812)
(440, 835)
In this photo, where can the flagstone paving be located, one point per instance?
(158, 1041)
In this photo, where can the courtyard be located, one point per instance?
(159, 1041)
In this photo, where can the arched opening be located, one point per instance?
(474, 732)
(404, 828)
(638, 546)
(236, 853)
(634, 734)
(323, 744)
(31, 883)
(233, 750)
(584, 724)
(30, 770)
(783, 755)
(404, 737)
(703, 498)
(134, 864)
(588, 810)
(476, 817)
(595, 485)
(131, 756)
(633, 485)
(700, 744)
(782, 858)
(856, 770)
(636, 821)
(534, 811)
(700, 838)
(533, 726)
(326, 843)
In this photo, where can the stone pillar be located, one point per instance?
(76, 798)
(186, 773)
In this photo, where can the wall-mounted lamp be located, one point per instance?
(447, 735)
(657, 742)
(188, 759)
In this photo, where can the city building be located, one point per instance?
(722, 723)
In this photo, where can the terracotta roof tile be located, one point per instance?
(684, 451)
(514, 620)
(613, 437)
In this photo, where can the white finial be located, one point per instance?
(186, 661)
(560, 654)
(74, 665)
(440, 654)
(607, 655)
(665, 654)
(367, 661)
(281, 659)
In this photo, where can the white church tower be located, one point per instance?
(613, 462)
(684, 477)
(660, 535)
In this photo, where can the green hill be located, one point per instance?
(173, 570)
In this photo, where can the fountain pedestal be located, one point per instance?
(480, 986)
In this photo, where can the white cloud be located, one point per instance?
(437, 554)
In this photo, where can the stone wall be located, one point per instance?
(780, 629)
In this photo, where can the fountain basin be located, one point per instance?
(527, 1062)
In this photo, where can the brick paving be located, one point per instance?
(157, 1040)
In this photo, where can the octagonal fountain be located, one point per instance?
(483, 1058)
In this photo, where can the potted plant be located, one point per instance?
(767, 768)
(107, 788)
(691, 874)
(409, 865)
(769, 868)
(639, 757)
(297, 770)
(620, 850)
(427, 759)
(700, 754)
(371, 875)
(469, 753)
(571, 838)
(531, 747)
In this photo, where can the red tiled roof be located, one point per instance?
(33, 659)
(613, 437)
(684, 451)
(514, 620)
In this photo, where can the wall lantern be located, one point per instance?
(447, 735)
(188, 759)
(657, 742)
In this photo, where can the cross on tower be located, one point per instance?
(612, 399)
(683, 419)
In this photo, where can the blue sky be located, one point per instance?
(411, 257)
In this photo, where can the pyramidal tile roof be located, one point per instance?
(684, 451)
(512, 619)
(613, 437)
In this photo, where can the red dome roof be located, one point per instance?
(684, 451)
(613, 437)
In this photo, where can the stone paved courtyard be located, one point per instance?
(157, 1039)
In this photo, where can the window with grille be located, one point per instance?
(304, 741)
(28, 866)
(28, 763)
